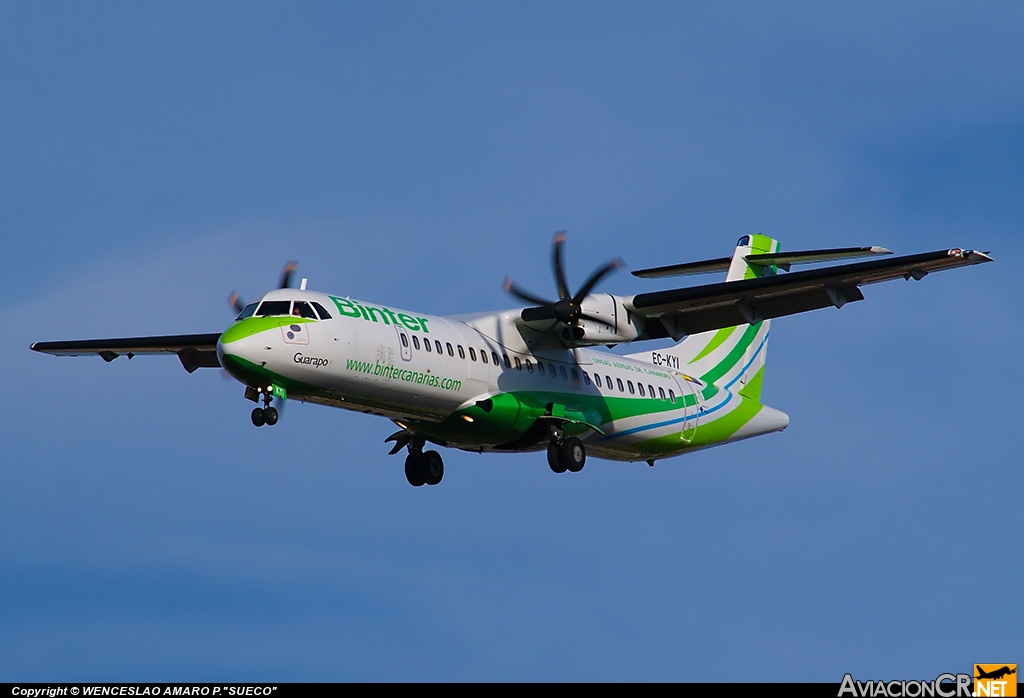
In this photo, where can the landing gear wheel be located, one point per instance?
(270, 416)
(555, 457)
(573, 455)
(259, 417)
(415, 472)
(432, 466)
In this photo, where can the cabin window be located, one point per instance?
(405, 340)
(565, 376)
(618, 382)
(303, 309)
(551, 369)
(519, 364)
(597, 379)
(540, 368)
(641, 387)
(462, 352)
(497, 361)
(426, 344)
(508, 364)
(437, 345)
(629, 384)
(273, 308)
(415, 342)
(248, 311)
(575, 376)
(671, 395)
(483, 355)
(324, 315)
(529, 366)
(661, 392)
(608, 382)
(451, 351)
(472, 354)
(586, 378)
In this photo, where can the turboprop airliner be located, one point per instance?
(539, 378)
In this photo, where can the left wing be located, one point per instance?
(193, 350)
(684, 311)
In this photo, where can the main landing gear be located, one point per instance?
(423, 468)
(566, 454)
(265, 415)
(420, 468)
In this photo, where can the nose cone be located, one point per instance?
(239, 350)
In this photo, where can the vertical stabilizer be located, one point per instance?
(732, 357)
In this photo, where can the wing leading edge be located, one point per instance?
(193, 350)
(696, 309)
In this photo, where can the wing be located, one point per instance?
(696, 309)
(193, 350)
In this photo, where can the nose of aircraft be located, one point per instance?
(239, 350)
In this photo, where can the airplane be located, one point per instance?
(539, 377)
(995, 674)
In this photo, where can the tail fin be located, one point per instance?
(732, 357)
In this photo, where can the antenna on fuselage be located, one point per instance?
(302, 286)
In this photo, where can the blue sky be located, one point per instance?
(157, 156)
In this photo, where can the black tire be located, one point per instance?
(415, 473)
(574, 455)
(555, 458)
(257, 417)
(433, 467)
(270, 416)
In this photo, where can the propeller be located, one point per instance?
(236, 302)
(567, 310)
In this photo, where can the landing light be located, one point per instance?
(467, 418)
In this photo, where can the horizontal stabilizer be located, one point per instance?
(783, 260)
(705, 267)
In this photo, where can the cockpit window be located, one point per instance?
(324, 315)
(743, 241)
(247, 311)
(274, 308)
(302, 309)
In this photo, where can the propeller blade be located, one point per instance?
(519, 293)
(286, 274)
(563, 287)
(595, 277)
(235, 301)
(536, 314)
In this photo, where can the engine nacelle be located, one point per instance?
(621, 327)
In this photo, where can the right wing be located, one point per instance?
(193, 350)
(685, 311)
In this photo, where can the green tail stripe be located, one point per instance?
(716, 341)
(726, 364)
(752, 390)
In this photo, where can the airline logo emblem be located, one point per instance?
(295, 334)
(995, 680)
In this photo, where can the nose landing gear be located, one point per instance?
(264, 415)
